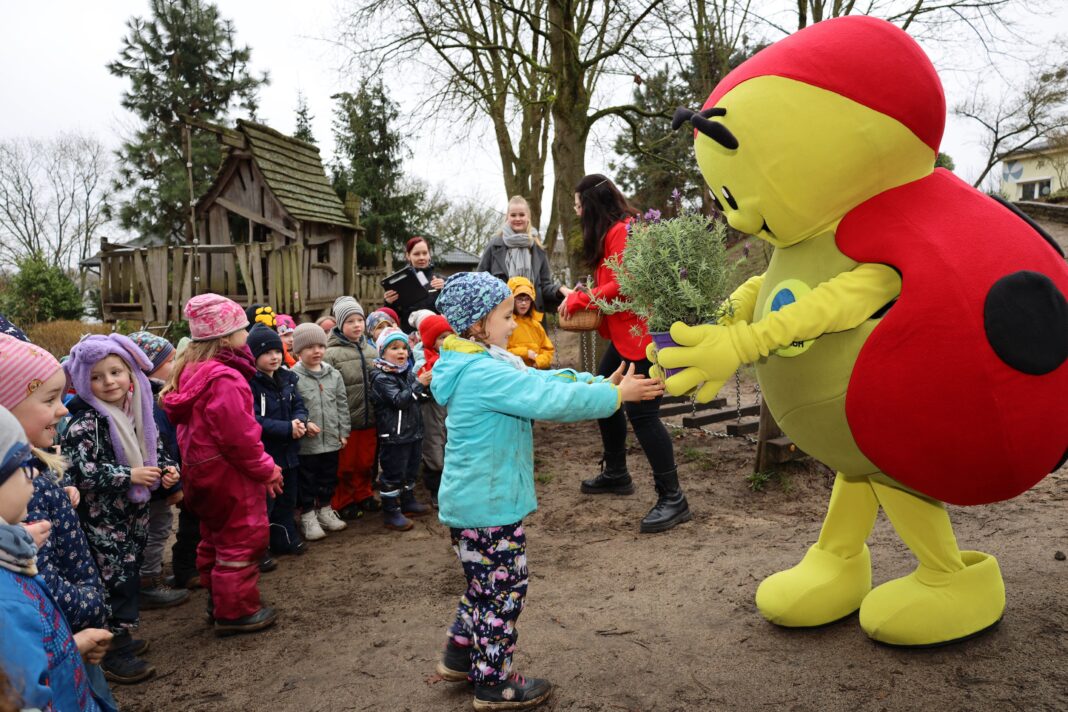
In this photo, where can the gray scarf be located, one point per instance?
(18, 553)
(517, 258)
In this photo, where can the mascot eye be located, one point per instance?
(729, 198)
(719, 205)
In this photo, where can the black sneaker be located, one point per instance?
(263, 618)
(123, 667)
(455, 663)
(369, 504)
(350, 513)
(267, 563)
(516, 693)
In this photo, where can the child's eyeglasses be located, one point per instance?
(18, 457)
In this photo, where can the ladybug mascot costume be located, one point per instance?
(910, 331)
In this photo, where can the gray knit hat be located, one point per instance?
(344, 307)
(306, 335)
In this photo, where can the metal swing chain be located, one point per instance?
(738, 395)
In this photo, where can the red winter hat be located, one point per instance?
(392, 314)
(431, 328)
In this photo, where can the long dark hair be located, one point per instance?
(602, 207)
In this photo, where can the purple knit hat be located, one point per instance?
(85, 354)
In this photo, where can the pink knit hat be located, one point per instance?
(212, 317)
(284, 323)
(25, 367)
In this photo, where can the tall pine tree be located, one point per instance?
(369, 162)
(303, 129)
(182, 60)
(656, 160)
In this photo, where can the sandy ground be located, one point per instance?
(623, 621)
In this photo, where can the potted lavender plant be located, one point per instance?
(672, 270)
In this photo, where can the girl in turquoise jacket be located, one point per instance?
(487, 486)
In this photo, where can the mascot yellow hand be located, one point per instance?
(708, 355)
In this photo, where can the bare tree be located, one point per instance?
(1021, 119)
(935, 19)
(485, 59)
(468, 224)
(1056, 154)
(54, 198)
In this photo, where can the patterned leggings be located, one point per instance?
(495, 565)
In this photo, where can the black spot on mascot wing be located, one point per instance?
(1059, 465)
(1026, 320)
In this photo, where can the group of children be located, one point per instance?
(257, 423)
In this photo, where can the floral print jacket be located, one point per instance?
(64, 560)
(115, 527)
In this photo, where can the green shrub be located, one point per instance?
(672, 270)
(40, 292)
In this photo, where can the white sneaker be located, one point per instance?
(309, 526)
(329, 520)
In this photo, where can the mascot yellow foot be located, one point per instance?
(934, 607)
(821, 589)
(951, 595)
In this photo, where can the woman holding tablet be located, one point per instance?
(417, 252)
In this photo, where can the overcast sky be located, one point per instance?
(53, 54)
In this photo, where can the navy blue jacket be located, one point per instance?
(397, 397)
(276, 403)
(168, 436)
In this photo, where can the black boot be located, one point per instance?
(670, 508)
(613, 478)
(515, 693)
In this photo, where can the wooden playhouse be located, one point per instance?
(271, 229)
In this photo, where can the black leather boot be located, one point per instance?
(613, 478)
(670, 508)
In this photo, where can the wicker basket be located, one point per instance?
(582, 319)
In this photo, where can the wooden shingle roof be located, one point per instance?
(294, 171)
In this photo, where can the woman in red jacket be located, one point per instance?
(605, 216)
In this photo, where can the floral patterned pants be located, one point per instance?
(495, 565)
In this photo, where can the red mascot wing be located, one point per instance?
(933, 400)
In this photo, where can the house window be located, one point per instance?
(1035, 189)
(322, 253)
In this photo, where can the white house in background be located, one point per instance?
(1035, 171)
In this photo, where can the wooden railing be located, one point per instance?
(150, 284)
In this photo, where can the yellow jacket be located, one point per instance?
(529, 335)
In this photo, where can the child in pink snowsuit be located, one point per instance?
(226, 470)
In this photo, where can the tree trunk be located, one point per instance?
(570, 115)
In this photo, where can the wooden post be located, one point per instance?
(768, 429)
(144, 291)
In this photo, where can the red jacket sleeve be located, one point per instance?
(614, 244)
(615, 241)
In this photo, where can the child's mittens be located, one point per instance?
(139, 494)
